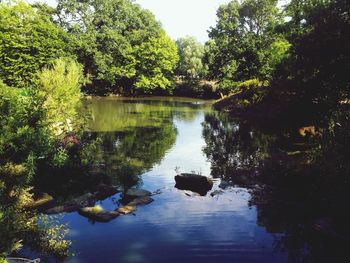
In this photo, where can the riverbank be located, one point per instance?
(198, 89)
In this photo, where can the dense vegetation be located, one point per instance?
(275, 65)
(300, 52)
(33, 128)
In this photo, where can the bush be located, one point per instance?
(29, 120)
(59, 88)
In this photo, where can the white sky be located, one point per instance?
(185, 17)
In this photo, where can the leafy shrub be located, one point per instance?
(59, 88)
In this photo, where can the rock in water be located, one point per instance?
(141, 201)
(44, 200)
(217, 192)
(194, 182)
(97, 215)
(104, 191)
(62, 209)
(224, 185)
(125, 210)
(134, 193)
(87, 199)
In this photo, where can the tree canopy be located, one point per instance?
(242, 44)
(317, 69)
(191, 53)
(119, 43)
(28, 41)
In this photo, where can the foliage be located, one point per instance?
(155, 63)
(28, 41)
(22, 133)
(316, 71)
(241, 43)
(59, 88)
(116, 40)
(23, 140)
(191, 53)
(27, 121)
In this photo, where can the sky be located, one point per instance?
(185, 17)
(181, 18)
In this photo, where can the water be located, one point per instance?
(176, 227)
(146, 142)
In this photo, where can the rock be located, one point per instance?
(157, 192)
(141, 201)
(44, 200)
(73, 205)
(191, 194)
(104, 191)
(224, 185)
(62, 209)
(125, 210)
(133, 193)
(98, 214)
(85, 200)
(194, 182)
(216, 192)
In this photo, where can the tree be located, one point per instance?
(28, 41)
(156, 60)
(109, 35)
(240, 44)
(316, 71)
(191, 53)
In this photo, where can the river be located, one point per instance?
(144, 143)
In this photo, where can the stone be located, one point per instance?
(194, 182)
(133, 193)
(216, 192)
(141, 201)
(98, 215)
(85, 200)
(224, 185)
(44, 200)
(190, 193)
(128, 209)
(62, 209)
(104, 191)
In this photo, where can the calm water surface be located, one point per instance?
(144, 141)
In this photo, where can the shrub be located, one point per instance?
(59, 88)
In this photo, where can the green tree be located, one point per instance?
(28, 41)
(191, 53)
(156, 60)
(316, 72)
(241, 42)
(109, 36)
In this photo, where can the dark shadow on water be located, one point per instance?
(295, 196)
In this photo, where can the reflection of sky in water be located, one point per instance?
(176, 227)
(186, 154)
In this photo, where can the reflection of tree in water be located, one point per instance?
(124, 156)
(231, 146)
(294, 201)
(121, 153)
(126, 114)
